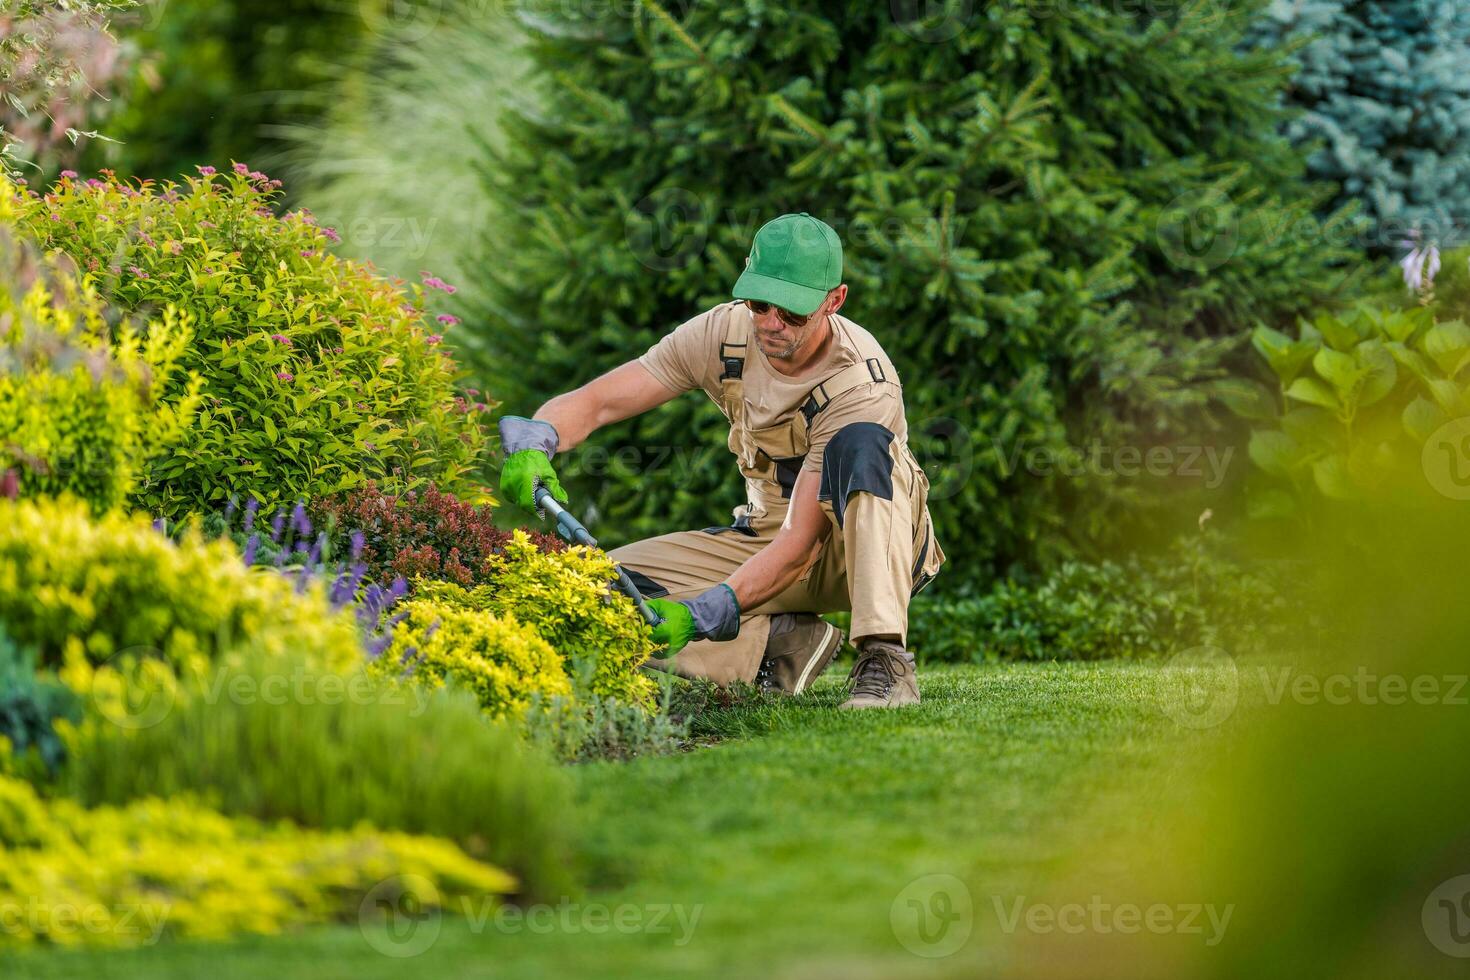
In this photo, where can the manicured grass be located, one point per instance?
(791, 843)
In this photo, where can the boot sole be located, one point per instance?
(831, 643)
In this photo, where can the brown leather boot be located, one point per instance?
(800, 648)
(883, 677)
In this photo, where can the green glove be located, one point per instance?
(529, 445)
(519, 475)
(712, 615)
(677, 628)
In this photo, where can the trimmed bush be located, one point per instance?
(79, 413)
(170, 868)
(321, 750)
(567, 598)
(506, 665)
(114, 591)
(317, 375)
(1056, 220)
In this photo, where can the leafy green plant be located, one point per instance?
(317, 374)
(599, 729)
(1360, 396)
(80, 412)
(156, 869)
(565, 597)
(504, 663)
(335, 751)
(30, 706)
(110, 591)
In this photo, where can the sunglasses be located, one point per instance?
(787, 317)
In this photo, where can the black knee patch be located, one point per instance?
(856, 459)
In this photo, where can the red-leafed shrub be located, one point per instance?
(430, 534)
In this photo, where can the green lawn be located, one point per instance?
(791, 843)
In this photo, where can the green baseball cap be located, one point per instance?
(794, 262)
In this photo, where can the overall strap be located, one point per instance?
(850, 377)
(732, 371)
(732, 349)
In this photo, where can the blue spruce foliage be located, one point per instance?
(1385, 88)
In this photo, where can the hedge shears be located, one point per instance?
(575, 532)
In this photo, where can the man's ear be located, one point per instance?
(837, 297)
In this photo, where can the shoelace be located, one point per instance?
(875, 673)
(763, 676)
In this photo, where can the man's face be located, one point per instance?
(780, 340)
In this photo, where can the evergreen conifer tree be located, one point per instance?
(1059, 217)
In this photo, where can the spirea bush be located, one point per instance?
(172, 869)
(317, 374)
(424, 533)
(112, 590)
(566, 597)
(80, 411)
(507, 665)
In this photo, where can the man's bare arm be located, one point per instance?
(791, 552)
(621, 393)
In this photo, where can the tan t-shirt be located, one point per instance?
(689, 358)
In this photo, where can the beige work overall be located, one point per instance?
(878, 555)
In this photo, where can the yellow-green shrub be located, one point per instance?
(86, 591)
(125, 876)
(507, 665)
(318, 374)
(80, 412)
(566, 597)
(274, 741)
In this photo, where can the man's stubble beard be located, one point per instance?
(790, 351)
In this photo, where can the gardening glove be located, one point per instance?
(712, 615)
(529, 445)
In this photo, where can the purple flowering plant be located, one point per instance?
(293, 547)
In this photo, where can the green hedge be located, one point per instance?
(1140, 607)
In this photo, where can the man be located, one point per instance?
(837, 514)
